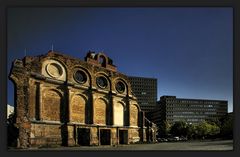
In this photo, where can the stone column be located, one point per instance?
(20, 78)
(90, 105)
(38, 109)
(69, 105)
(127, 113)
(117, 135)
(110, 110)
(22, 120)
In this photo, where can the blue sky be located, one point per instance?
(189, 50)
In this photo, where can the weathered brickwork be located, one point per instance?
(100, 111)
(78, 104)
(133, 135)
(45, 134)
(51, 105)
(62, 100)
(134, 115)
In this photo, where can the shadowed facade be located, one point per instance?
(60, 100)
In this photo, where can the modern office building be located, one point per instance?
(172, 109)
(145, 89)
(156, 115)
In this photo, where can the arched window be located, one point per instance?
(102, 82)
(78, 104)
(80, 76)
(51, 105)
(100, 107)
(118, 114)
(133, 115)
(54, 69)
(120, 87)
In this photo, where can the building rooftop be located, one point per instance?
(167, 96)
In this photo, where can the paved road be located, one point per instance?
(193, 145)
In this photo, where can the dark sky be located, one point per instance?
(189, 50)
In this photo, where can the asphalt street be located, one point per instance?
(224, 145)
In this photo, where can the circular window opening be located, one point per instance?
(80, 76)
(102, 82)
(54, 70)
(120, 87)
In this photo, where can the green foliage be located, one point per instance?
(203, 130)
(227, 128)
(12, 131)
(179, 128)
(164, 129)
(214, 129)
(167, 126)
(191, 131)
(215, 121)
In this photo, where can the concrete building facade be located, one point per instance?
(145, 89)
(173, 109)
(60, 100)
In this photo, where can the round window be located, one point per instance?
(102, 82)
(120, 87)
(80, 76)
(54, 70)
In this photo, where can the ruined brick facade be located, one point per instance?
(60, 100)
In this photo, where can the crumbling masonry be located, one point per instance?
(60, 100)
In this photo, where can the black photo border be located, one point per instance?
(5, 4)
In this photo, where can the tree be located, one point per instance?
(227, 128)
(179, 128)
(205, 130)
(164, 129)
(191, 131)
(167, 127)
(12, 131)
(201, 129)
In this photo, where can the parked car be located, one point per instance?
(176, 138)
(183, 138)
(173, 139)
(162, 140)
(170, 139)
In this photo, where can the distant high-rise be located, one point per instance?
(145, 89)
